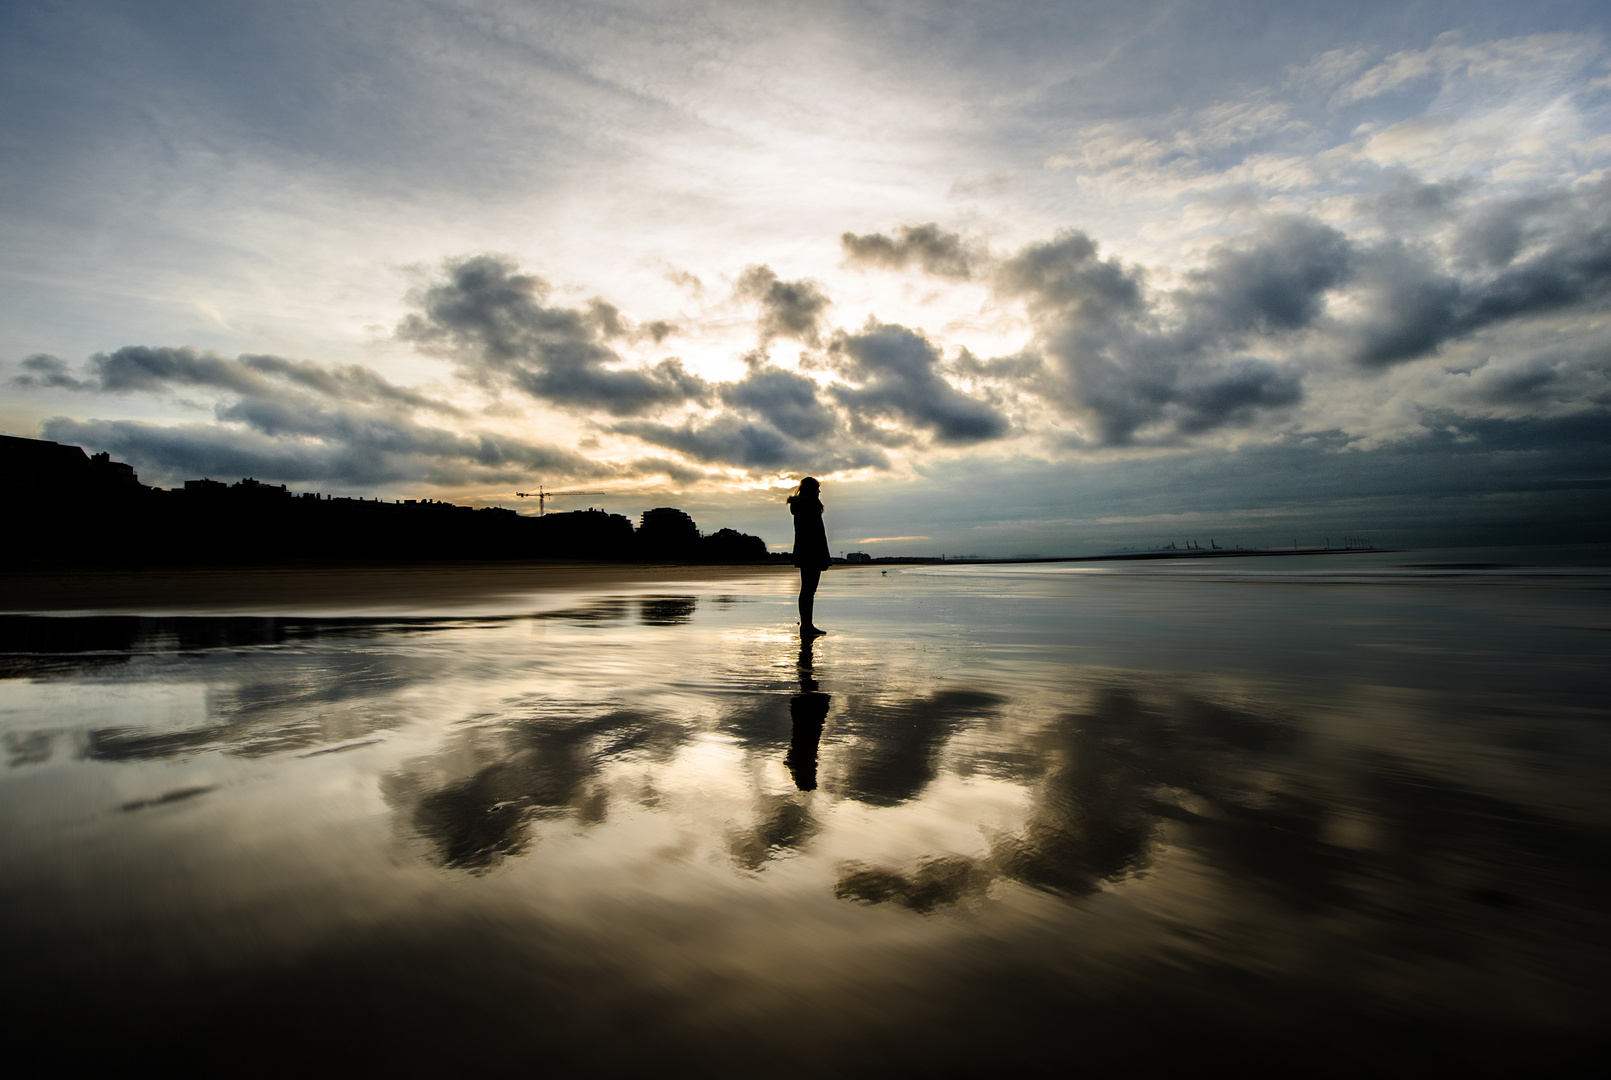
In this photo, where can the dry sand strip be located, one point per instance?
(286, 590)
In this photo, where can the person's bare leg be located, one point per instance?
(808, 599)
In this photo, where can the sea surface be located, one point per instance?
(1320, 814)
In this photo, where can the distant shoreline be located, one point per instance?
(1126, 556)
(403, 586)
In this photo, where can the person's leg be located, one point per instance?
(808, 597)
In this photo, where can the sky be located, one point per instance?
(1010, 278)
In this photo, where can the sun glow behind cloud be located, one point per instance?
(878, 245)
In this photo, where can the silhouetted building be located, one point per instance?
(667, 533)
(34, 466)
(732, 546)
(585, 534)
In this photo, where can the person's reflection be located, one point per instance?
(808, 709)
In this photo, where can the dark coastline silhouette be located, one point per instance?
(71, 508)
(810, 548)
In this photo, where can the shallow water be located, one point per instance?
(1320, 813)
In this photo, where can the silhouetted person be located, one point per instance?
(810, 547)
(808, 709)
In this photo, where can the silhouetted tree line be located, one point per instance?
(67, 506)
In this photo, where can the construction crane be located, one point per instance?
(542, 496)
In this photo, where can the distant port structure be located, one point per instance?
(1186, 549)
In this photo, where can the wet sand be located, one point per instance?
(1328, 819)
(367, 588)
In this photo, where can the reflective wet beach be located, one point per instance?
(1319, 813)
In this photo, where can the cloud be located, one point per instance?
(1513, 59)
(363, 460)
(937, 252)
(898, 375)
(675, 471)
(892, 392)
(1237, 342)
(350, 382)
(136, 368)
(1138, 367)
(730, 440)
(295, 421)
(1182, 140)
(1514, 261)
(45, 370)
(790, 309)
(492, 322)
(788, 401)
(1411, 204)
(1273, 280)
(1065, 277)
(148, 369)
(771, 420)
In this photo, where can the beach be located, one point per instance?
(335, 588)
(1314, 815)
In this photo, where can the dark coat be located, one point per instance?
(810, 538)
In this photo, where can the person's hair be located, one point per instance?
(807, 489)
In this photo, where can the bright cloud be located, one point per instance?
(686, 252)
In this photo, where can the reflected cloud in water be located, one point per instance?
(667, 610)
(784, 823)
(1103, 780)
(989, 819)
(897, 740)
(476, 800)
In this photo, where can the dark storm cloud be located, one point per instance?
(898, 375)
(492, 321)
(789, 309)
(935, 251)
